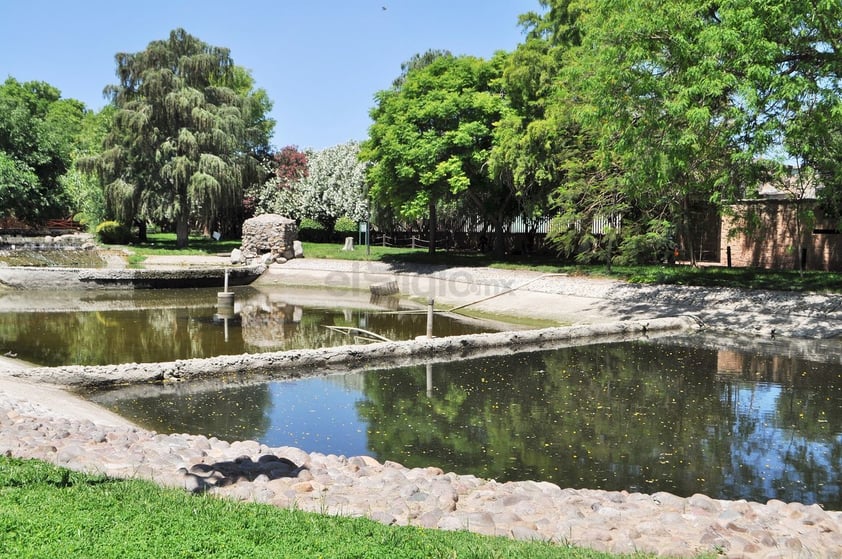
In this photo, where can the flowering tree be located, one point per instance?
(333, 186)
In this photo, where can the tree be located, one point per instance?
(657, 88)
(537, 142)
(182, 146)
(37, 130)
(275, 196)
(431, 138)
(82, 186)
(332, 185)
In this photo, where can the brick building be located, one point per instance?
(774, 242)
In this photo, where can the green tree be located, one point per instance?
(37, 130)
(182, 146)
(656, 86)
(82, 186)
(794, 99)
(538, 144)
(432, 136)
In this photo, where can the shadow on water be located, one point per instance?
(689, 414)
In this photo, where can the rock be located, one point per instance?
(298, 249)
(270, 233)
(237, 256)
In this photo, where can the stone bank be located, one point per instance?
(390, 493)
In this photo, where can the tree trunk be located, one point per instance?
(433, 226)
(141, 230)
(689, 246)
(182, 231)
(499, 237)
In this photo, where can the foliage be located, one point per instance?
(431, 141)
(37, 129)
(660, 107)
(345, 226)
(332, 185)
(82, 186)
(653, 246)
(112, 233)
(312, 231)
(183, 141)
(54, 512)
(290, 165)
(537, 141)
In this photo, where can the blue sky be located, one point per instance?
(320, 61)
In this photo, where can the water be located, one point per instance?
(640, 416)
(164, 325)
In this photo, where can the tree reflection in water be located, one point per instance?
(640, 416)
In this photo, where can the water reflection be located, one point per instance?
(166, 325)
(640, 416)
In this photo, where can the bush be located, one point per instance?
(311, 231)
(345, 227)
(112, 233)
(651, 247)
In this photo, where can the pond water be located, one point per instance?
(164, 325)
(647, 416)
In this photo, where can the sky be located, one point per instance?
(321, 61)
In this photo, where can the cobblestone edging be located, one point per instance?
(390, 493)
(620, 522)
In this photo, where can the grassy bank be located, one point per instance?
(48, 512)
(705, 276)
(708, 276)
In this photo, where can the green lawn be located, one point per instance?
(48, 512)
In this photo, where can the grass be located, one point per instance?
(47, 512)
(704, 276)
(709, 276)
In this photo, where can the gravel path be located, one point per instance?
(57, 427)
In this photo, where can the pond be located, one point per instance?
(673, 414)
(97, 328)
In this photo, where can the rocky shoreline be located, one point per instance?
(618, 522)
(390, 493)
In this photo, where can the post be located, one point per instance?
(368, 238)
(225, 298)
(728, 255)
(430, 303)
(429, 380)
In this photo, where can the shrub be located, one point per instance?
(345, 227)
(112, 233)
(650, 247)
(310, 230)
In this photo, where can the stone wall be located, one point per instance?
(74, 241)
(269, 234)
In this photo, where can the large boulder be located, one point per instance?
(269, 234)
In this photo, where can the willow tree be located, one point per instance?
(184, 134)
